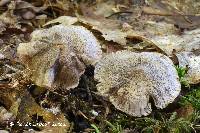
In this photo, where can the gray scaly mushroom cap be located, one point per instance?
(129, 79)
(56, 57)
(192, 62)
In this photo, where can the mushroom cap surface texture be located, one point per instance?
(56, 57)
(129, 79)
(192, 62)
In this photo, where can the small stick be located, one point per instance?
(12, 68)
(81, 113)
(116, 13)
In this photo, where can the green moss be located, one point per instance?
(164, 124)
(193, 98)
(181, 73)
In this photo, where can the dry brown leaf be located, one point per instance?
(189, 41)
(109, 29)
(26, 10)
(60, 7)
(6, 116)
(64, 20)
(8, 20)
(29, 109)
(4, 131)
(20, 106)
(10, 98)
(113, 31)
(2, 27)
(184, 14)
(9, 95)
(185, 111)
(4, 2)
(152, 28)
(105, 8)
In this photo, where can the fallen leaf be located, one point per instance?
(185, 111)
(184, 14)
(31, 112)
(6, 116)
(64, 20)
(189, 41)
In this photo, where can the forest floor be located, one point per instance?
(162, 26)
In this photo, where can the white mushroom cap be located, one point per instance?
(128, 79)
(56, 57)
(192, 62)
(81, 40)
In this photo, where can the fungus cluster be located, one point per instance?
(56, 57)
(129, 79)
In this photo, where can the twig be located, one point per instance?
(116, 13)
(12, 68)
(81, 113)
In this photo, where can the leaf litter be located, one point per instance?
(168, 29)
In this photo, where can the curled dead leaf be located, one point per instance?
(64, 20)
(31, 112)
(6, 116)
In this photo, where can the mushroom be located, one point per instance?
(192, 62)
(57, 57)
(129, 79)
